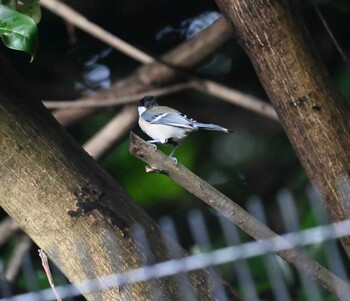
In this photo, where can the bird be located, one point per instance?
(166, 125)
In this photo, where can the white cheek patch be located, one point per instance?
(141, 110)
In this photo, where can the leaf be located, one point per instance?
(18, 31)
(31, 8)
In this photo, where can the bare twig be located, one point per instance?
(188, 54)
(102, 142)
(8, 227)
(113, 101)
(14, 265)
(330, 33)
(159, 162)
(210, 87)
(206, 86)
(45, 264)
(238, 98)
(73, 17)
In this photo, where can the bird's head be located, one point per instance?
(148, 102)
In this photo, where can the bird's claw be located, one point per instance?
(173, 158)
(153, 145)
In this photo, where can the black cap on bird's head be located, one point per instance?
(148, 102)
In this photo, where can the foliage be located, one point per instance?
(18, 28)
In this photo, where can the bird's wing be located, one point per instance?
(169, 118)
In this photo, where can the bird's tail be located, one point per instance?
(211, 127)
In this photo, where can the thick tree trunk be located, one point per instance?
(70, 207)
(310, 108)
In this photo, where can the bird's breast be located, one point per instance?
(161, 131)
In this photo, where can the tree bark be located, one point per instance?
(70, 207)
(311, 110)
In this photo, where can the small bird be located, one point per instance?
(167, 125)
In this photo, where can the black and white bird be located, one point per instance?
(167, 125)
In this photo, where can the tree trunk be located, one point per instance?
(313, 113)
(70, 207)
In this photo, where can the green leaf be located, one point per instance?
(18, 31)
(31, 8)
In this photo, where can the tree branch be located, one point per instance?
(238, 98)
(46, 267)
(205, 86)
(330, 33)
(15, 263)
(313, 113)
(113, 100)
(102, 142)
(188, 54)
(64, 11)
(7, 228)
(159, 162)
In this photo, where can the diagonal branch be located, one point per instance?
(330, 33)
(206, 86)
(313, 113)
(15, 263)
(159, 162)
(186, 55)
(238, 98)
(104, 140)
(8, 227)
(78, 20)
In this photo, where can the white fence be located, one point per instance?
(283, 282)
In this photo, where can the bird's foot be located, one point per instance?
(173, 158)
(152, 144)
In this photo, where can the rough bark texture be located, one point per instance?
(69, 206)
(313, 113)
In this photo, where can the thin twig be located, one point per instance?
(103, 141)
(113, 101)
(15, 262)
(209, 87)
(159, 162)
(45, 264)
(8, 227)
(186, 55)
(330, 33)
(205, 86)
(73, 17)
(237, 97)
